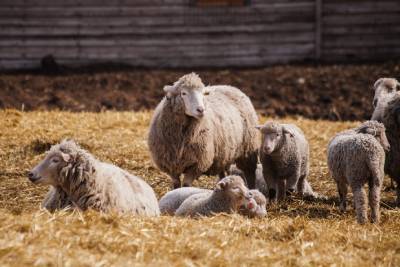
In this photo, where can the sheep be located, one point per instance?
(257, 210)
(390, 117)
(284, 156)
(357, 157)
(199, 129)
(229, 194)
(171, 201)
(385, 89)
(90, 183)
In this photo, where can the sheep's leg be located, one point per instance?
(176, 181)
(360, 202)
(249, 165)
(342, 189)
(189, 178)
(398, 194)
(281, 186)
(374, 199)
(222, 175)
(271, 187)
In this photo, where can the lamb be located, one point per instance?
(284, 156)
(89, 183)
(357, 157)
(229, 194)
(171, 201)
(199, 129)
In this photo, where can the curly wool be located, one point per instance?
(89, 183)
(180, 144)
(356, 157)
(289, 161)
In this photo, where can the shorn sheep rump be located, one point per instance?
(387, 111)
(198, 129)
(357, 157)
(229, 194)
(74, 173)
(284, 156)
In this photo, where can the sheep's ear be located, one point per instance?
(287, 131)
(378, 82)
(170, 90)
(206, 90)
(221, 185)
(66, 157)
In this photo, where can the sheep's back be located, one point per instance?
(171, 201)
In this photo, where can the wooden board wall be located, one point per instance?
(178, 33)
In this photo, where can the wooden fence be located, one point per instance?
(179, 33)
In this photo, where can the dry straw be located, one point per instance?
(296, 233)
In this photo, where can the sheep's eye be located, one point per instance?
(55, 160)
(206, 93)
(183, 93)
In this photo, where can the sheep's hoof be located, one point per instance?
(362, 220)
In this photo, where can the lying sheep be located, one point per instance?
(171, 201)
(199, 129)
(357, 157)
(229, 194)
(258, 210)
(284, 156)
(89, 183)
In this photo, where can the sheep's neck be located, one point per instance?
(81, 186)
(225, 203)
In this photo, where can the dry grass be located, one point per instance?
(296, 233)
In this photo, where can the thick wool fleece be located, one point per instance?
(89, 183)
(172, 200)
(226, 134)
(356, 158)
(288, 162)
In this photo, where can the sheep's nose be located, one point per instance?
(200, 110)
(31, 176)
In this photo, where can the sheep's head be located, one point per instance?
(256, 206)
(191, 91)
(377, 130)
(48, 170)
(384, 86)
(235, 189)
(272, 136)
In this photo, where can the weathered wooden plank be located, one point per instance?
(364, 7)
(354, 41)
(357, 19)
(28, 3)
(167, 52)
(318, 28)
(38, 31)
(165, 40)
(362, 30)
(121, 11)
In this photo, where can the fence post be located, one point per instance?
(318, 25)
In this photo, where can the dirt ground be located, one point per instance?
(295, 233)
(333, 92)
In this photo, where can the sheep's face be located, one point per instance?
(271, 137)
(384, 87)
(235, 189)
(48, 170)
(191, 91)
(257, 205)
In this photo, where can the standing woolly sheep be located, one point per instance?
(387, 91)
(229, 194)
(284, 156)
(89, 183)
(199, 129)
(357, 157)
